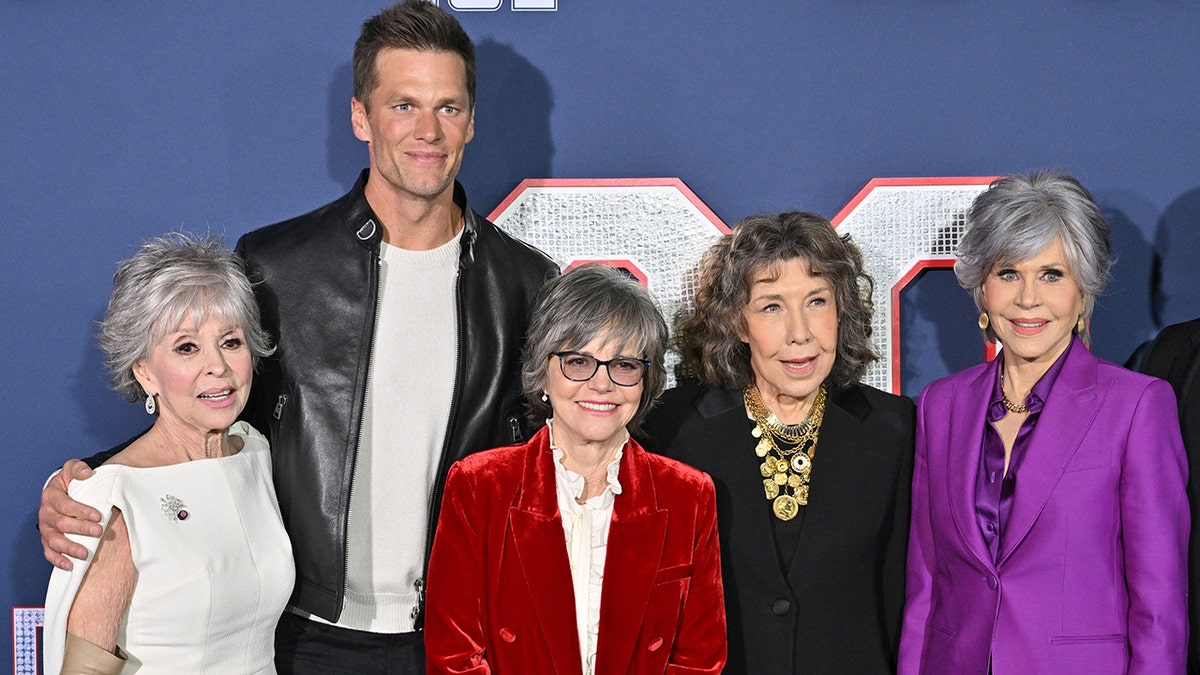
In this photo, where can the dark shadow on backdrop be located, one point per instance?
(345, 155)
(938, 331)
(109, 418)
(1123, 319)
(1175, 280)
(512, 126)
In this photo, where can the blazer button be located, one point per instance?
(992, 583)
(655, 644)
(507, 635)
(781, 607)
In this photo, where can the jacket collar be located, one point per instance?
(1071, 408)
(364, 225)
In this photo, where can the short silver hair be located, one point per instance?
(169, 279)
(1018, 216)
(575, 308)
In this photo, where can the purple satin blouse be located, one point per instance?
(995, 489)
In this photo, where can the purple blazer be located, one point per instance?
(1092, 571)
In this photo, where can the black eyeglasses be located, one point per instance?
(623, 370)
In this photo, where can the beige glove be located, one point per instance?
(84, 658)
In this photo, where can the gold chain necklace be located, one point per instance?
(1017, 408)
(786, 450)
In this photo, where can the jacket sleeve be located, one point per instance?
(1154, 537)
(702, 644)
(894, 562)
(454, 612)
(921, 557)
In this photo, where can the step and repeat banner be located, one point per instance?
(630, 132)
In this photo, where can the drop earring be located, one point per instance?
(983, 321)
(1080, 326)
(150, 405)
(545, 397)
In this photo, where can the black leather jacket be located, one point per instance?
(318, 284)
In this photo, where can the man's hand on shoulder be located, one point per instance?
(60, 515)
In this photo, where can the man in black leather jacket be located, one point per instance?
(318, 286)
(321, 270)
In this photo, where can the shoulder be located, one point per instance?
(1127, 380)
(876, 401)
(680, 407)
(253, 442)
(98, 490)
(943, 387)
(493, 464)
(1174, 339)
(671, 474)
(879, 419)
(500, 247)
(674, 403)
(312, 228)
(249, 435)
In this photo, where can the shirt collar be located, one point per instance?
(575, 483)
(1036, 399)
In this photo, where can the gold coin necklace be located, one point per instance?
(786, 450)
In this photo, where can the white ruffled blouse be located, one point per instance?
(586, 529)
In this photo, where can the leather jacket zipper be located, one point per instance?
(439, 480)
(374, 282)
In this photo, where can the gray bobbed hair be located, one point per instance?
(168, 280)
(593, 301)
(1018, 216)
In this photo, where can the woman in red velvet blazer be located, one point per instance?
(579, 552)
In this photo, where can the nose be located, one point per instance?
(216, 363)
(797, 328)
(601, 382)
(428, 127)
(1027, 296)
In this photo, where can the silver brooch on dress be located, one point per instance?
(174, 508)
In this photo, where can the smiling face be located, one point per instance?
(592, 413)
(1034, 305)
(200, 377)
(419, 122)
(792, 331)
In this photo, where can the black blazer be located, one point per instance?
(836, 608)
(1175, 357)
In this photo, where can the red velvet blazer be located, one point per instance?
(499, 590)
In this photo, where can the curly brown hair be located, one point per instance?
(708, 336)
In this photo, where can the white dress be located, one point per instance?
(214, 563)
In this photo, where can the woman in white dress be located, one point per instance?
(194, 567)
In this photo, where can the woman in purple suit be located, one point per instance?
(1049, 518)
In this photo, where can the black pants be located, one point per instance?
(304, 647)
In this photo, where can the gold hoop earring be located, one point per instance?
(983, 321)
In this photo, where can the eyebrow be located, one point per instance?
(779, 296)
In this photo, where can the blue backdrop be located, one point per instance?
(123, 120)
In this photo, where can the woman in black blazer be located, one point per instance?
(812, 469)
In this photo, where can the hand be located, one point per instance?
(60, 515)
